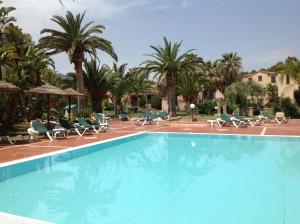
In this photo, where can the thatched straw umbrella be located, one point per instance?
(47, 90)
(71, 92)
(7, 87)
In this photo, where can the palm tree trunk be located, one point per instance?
(117, 106)
(1, 73)
(80, 83)
(13, 110)
(171, 93)
(172, 100)
(96, 100)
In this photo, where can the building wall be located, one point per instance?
(285, 89)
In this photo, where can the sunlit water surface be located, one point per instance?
(162, 179)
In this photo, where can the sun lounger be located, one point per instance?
(94, 127)
(4, 134)
(70, 127)
(148, 118)
(123, 116)
(251, 121)
(265, 117)
(281, 118)
(102, 118)
(164, 115)
(226, 120)
(38, 128)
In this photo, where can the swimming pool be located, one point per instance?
(156, 178)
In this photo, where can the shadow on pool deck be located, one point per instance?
(14, 152)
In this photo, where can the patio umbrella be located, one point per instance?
(47, 90)
(7, 87)
(71, 92)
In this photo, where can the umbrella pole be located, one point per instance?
(69, 107)
(48, 110)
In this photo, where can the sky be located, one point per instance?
(262, 32)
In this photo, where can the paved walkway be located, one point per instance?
(14, 152)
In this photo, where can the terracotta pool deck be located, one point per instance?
(118, 129)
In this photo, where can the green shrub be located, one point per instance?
(155, 102)
(297, 96)
(289, 109)
(207, 107)
(86, 113)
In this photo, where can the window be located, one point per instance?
(273, 79)
(260, 78)
(249, 79)
(287, 80)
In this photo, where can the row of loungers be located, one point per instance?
(237, 120)
(62, 128)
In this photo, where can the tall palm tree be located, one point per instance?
(119, 84)
(167, 64)
(231, 65)
(76, 39)
(5, 19)
(95, 80)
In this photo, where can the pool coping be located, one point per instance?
(66, 150)
(194, 133)
(7, 218)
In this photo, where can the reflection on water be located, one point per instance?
(153, 178)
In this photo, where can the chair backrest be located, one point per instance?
(147, 115)
(64, 123)
(98, 117)
(3, 131)
(238, 116)
(163, 114)
(38, 126)
(225, 117)
(265, 114)
(82, 122)
(123, 114)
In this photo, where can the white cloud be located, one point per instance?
(185, 4)
(160, 7)
(33, 17)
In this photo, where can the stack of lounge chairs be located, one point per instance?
(151, 118)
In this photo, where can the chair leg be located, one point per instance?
(77, 131)
(235, 124)
(95, 130)
(49, 136)
(10, 141)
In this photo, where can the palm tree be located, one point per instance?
(5, 19)
(95, 80)
(119, 84)
(140, 85)
(291, 69)
(231, 65)
(76, 39)
(167, 64)
(37, 62)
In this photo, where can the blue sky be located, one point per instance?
(263, 32)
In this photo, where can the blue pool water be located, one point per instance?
(161, 179)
